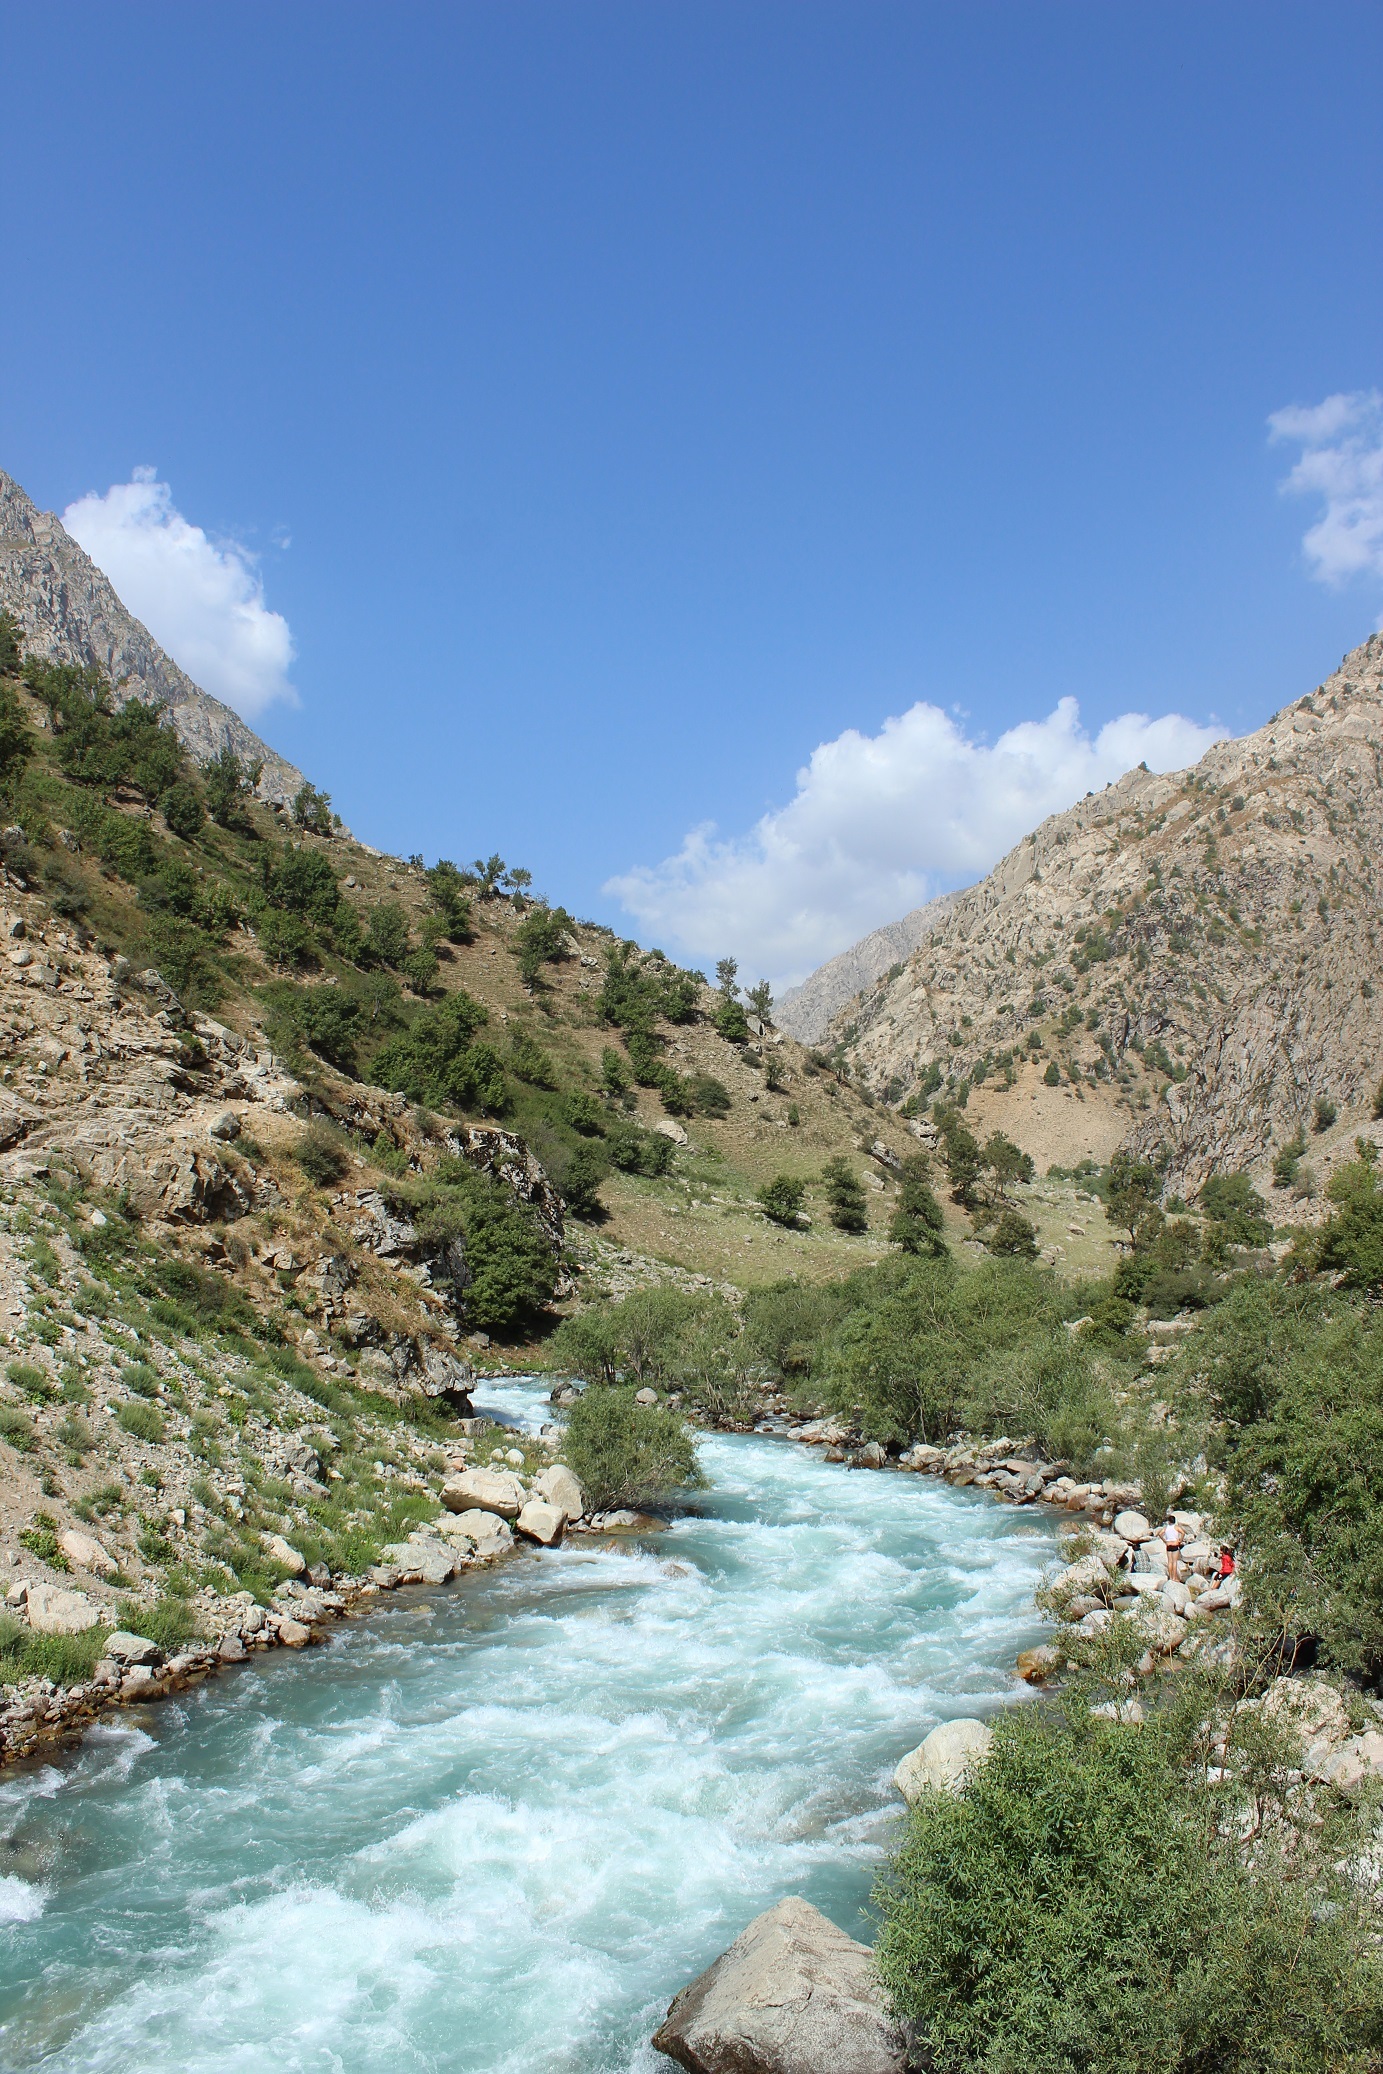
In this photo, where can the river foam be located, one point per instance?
(493, 1829)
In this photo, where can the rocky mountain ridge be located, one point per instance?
(68, 612)
(1196, 954)
(807, 1011)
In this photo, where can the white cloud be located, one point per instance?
(879, 824)
(1341, 462)
(201, 599)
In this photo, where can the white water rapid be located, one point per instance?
(493, 1829)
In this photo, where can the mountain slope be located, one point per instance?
(1192, 958)
(68, 612)
(807, 1011)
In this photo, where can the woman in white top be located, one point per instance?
(1171, 1535)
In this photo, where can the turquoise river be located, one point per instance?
(492, 1829)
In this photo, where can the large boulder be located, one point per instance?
(561, 1489)
(486, 1532)
(284, 1554)
(541, 1522)
(943, 1758)
(53, 1610)
(792, 1995)
(484, 1490)
(86, 1552)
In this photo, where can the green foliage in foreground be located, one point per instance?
(1083, 1906)
(1297, 1372)
(624, 1453)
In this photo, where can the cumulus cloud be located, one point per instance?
(202, 600)
(881, 823)
(1341, 463)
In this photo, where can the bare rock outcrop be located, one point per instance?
(806, 1011)
(792, 1995)
(68, 612)
(1198, 951)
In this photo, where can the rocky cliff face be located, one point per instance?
(69, 613)
(806, 1012)
(1200, 951)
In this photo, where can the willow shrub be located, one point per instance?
(1082, 1909)
(923, 1347)
(623, 1453)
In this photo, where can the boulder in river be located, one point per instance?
(943, 1758)
(487, 1532)
(560, 1488)
(792, 1995)
(541, 1522)
(484, 1490)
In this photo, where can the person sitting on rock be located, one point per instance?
(1171, 1535)
(1226, 1562)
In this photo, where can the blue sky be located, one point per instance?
(627, 401)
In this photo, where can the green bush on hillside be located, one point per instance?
(502, 1268)
(437, 1059)
(781, 1199)
(844, 1195)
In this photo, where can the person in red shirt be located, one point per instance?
(1226, 1562)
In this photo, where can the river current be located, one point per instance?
(493, 1829)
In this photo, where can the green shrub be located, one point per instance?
(387, 935)
(438, 1061)
(41, 1539)
(637, 1151)
(624, 1453)
(320, 1157)
(781, 1199)
(182, 809)
(169, 1622)
(844, 1196)
(17, 1430)
(31, 1380)
(140, 1378)
(1012, 1234)
(502, 1266)
(1085, 1905)
(1233, 1203)
(1052, 1076)
(142, 1421)
(1323, 1113)
(918, 1224)
(582, 1112)
(66, 1659)
(1351, 1242)
(708, 1096)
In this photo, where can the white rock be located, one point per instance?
(943, 1758)
(666, 1128)
(560, 1488)
(124, 1648)
(792, 1995)
(645, 1396)
(1358, 1759)
(541, 1522)
(282, 1552)
(1132, 1526)
(484, 1490)
(56, 1611)
(486, 1531)
(86, 1553)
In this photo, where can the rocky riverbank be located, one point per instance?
(487, 1513)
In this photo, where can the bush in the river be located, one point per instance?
(623, 1453)
(1086, 1905)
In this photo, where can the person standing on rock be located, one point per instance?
(1172, 1537)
